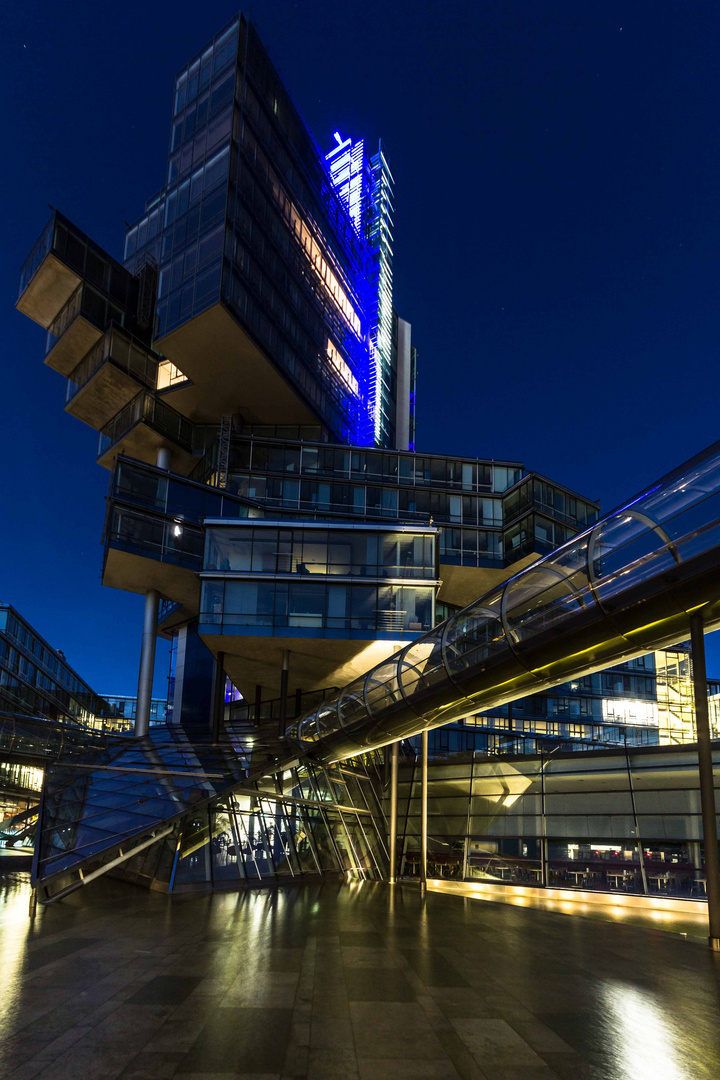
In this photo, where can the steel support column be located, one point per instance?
(218, 696)
(147, 662)
(638, 837)
(543, 831)
(393, 811)
(424, 813)
(707, 780)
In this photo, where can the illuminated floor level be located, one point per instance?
(687, 917)
(354, 982)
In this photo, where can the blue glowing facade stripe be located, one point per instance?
(379, 232)
(365, 187)
(348, 167)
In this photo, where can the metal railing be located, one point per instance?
(121, 349)
(149, 409)
(62, 320)
(38, 251)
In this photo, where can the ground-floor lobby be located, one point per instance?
(345, 982)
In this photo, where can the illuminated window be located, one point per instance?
(634, 713)
(339, 364)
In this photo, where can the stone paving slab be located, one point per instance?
(332, 982)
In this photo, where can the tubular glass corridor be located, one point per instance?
(623, 587)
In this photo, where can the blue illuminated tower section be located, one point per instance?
(365, 186)
(349, 169)
(379, 234)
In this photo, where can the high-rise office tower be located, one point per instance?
(254, 390)
(274, 272)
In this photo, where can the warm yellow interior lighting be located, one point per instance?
(339, 364)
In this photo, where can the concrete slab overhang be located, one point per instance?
(142, 442)
(108, 391)
(315, 663)
(72, 346)
(226, 366)
(462, 585)
(48, 291)
(138, 573)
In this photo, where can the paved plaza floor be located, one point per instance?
(344, 982)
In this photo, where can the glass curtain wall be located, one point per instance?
(325, 821)
(229, 606)
(617, 821)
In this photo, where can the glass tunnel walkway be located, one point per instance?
(626, 586)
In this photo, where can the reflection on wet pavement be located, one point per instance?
(686, 917)
(358, 981)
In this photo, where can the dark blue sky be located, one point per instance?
(557, 170)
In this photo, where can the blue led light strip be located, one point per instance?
(366, 189)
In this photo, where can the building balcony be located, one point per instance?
(145, 487)
(149, 551)
(46, 281)
(61, 258)
(107, 379)
(78, 327)
(144, 426)
(153, 536)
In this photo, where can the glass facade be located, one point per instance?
(322, 609)
(325, 822)
(305, 480)
(35, 679)
(187, 817)
(250, 217)
(630, 702)
(349, 553)
(365, 186)
(335, 603)
(126, 705)
(613, 821)
(468, 497)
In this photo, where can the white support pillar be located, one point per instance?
(147, 662)
(424, 813)
(164, 458)
(404, 369)
(393, 811)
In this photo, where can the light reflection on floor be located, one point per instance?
(16, 929)
(360, 980)
(641, 1033)
(687, 924)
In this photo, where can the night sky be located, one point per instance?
(557, 169)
